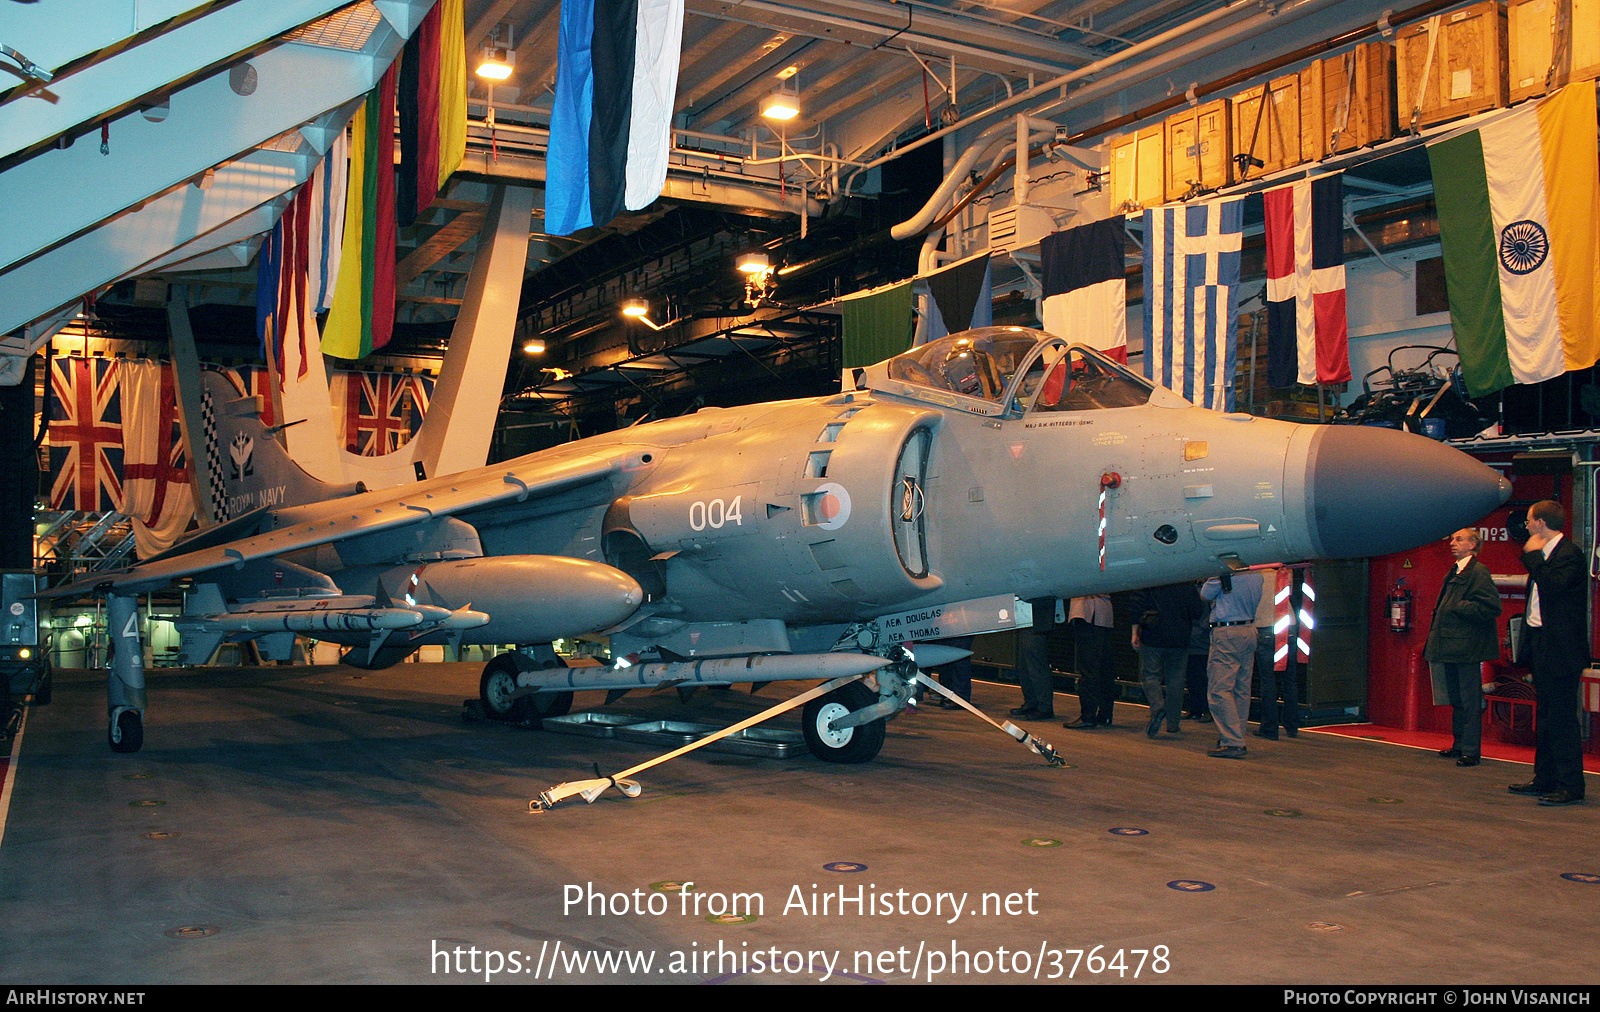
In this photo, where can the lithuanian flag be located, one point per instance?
(1519, 220)
(362, 317)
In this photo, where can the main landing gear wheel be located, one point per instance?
(499, 682)
(857, 744)
(126, 732)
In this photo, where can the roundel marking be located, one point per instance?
(1524, 246)
(833, 506)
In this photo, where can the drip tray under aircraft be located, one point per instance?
(765, 742)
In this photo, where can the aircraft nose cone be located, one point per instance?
(1373, 491)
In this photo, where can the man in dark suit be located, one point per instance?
(1559, 643)
(1463, 635)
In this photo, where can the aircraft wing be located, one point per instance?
(383, 510)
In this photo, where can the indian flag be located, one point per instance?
(1519, 220)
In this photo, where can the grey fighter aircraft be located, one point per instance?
(797, 539)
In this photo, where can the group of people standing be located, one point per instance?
(1236, 613)
(1464, 633)
(1233, 616)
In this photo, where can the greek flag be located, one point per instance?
(1191, 298)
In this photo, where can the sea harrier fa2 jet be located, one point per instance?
(800, 539)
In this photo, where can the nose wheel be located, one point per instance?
(857, 744)
(125, 733)
(503, 699)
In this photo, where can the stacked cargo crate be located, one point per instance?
(1479, 57)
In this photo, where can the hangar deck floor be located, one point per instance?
(325, 825)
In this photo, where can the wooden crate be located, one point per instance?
(1452, 65)
(1138, 169)
(1358, 106)
(1199, 156)
(1551, 43)
(1267, 131)
(1313, 139)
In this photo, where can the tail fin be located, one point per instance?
(243, 462)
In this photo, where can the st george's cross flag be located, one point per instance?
(1191, 298)
(156, 485)
(1085, 285)
(610, 126)
(1519, 223)
(1308, 337)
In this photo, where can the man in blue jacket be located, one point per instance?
(1463, 635)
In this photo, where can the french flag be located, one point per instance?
(1308, 339)
(1085, 285)
(610, 127)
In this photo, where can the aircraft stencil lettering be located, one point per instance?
(806, 538)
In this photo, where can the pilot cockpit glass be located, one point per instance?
(976, 363)
(1077, 381)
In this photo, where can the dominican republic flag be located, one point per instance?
(1085, 286)
(1191, 298)
(610, 128)
(85, 435)
(1308, 340)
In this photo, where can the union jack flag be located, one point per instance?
(255, 381)
(382, 410)
(85, 434)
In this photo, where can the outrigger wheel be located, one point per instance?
(856, 744)
(499, 683)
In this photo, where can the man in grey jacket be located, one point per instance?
(1463, 635)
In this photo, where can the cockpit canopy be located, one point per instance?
(1015, 368)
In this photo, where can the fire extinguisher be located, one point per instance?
(1399, 607)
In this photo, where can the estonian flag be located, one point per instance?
(610, 130)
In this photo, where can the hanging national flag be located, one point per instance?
(610, 126)
(432, 96)
(957, 299)
(877, 325)
(1086, 287)
(362, 318)
(156, 484)
(325, 230)
(1519, 220)
(1191, 295)
(255, 381)
(1308, 340)
(85, 435)
(379, 411)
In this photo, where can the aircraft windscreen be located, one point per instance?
(1079, 382)
(975, 363)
